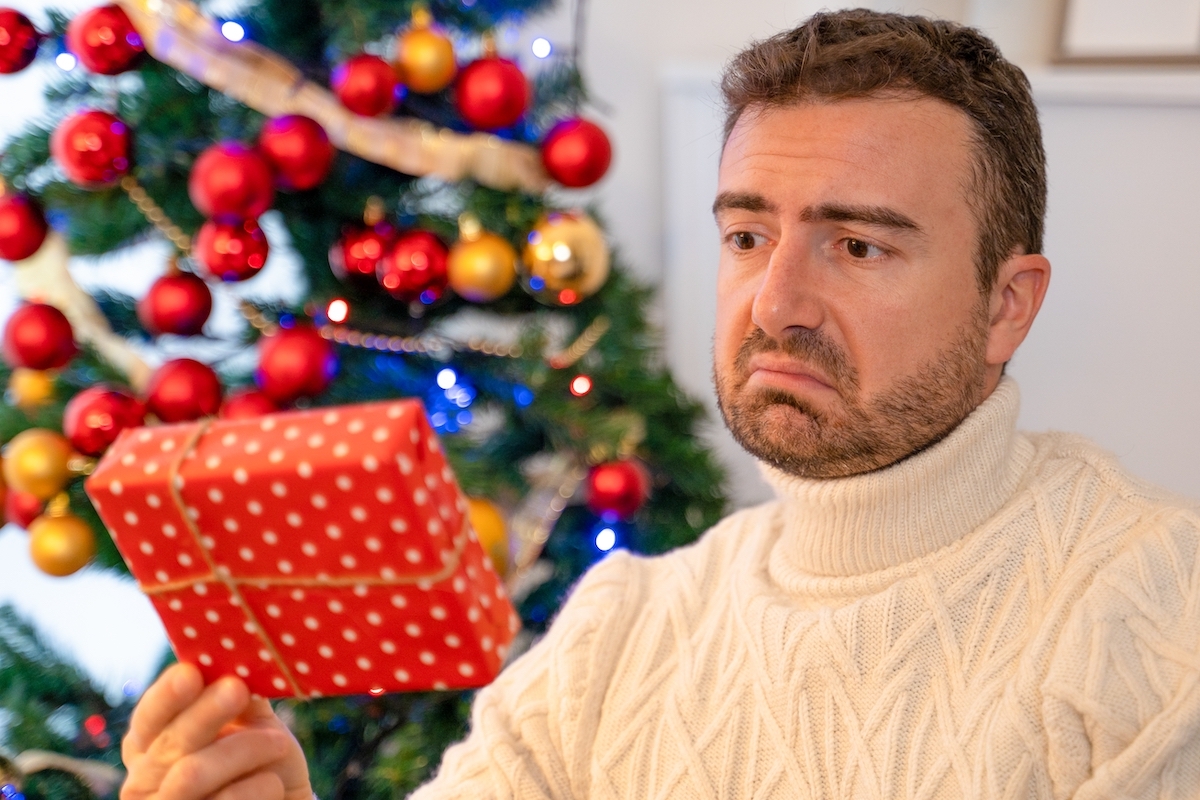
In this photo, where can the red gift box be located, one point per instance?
(309, 552)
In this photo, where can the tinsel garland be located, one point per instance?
(177, 33)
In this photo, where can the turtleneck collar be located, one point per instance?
(865, 523)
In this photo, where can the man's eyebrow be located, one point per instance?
(745, 201)
(877, 216)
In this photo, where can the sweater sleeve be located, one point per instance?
(531, 729)
(1122, 696)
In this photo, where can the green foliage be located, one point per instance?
(378, 747)
(383, 747)
(46, 698)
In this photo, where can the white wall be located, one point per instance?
(1115, 353)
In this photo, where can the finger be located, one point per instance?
(223, 763)
(259, 786)
(200, 723)
(258, 713)
(176, 689)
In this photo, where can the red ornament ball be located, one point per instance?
(92, 148)
(576, 152)
(231, 181)
(491, 93)
(360, 249)
(299, 150)
(247, 404)
(617, 487)
(38, 336)
(105, 40)
(366, 85)
(178, 304)
(18, 41)
(183, 390)
(22, 508)
(22, 227)
(294, 362)
(414, 268)
(97, 415)
(231, 251)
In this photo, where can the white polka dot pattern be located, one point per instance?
(353, 496)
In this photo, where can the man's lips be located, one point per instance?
(780, 371)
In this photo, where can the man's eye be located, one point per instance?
(857, 248)
(742, 240)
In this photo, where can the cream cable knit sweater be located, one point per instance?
(1001, 616)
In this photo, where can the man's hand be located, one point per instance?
(187, 742)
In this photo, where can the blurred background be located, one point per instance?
(1113, 355)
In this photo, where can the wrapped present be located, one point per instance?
(310, 552)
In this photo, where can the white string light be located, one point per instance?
(541, 47)
(233, 31)
(606, 539)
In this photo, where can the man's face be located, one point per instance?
(850, 328)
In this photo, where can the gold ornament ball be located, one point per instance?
(425, 60)
(488, 523)
(483, 269)
(61, 544)
(29, 388)
(37, 461)
(565, 259)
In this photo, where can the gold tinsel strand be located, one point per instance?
(426, 343)
(582, 345)
(155, 215)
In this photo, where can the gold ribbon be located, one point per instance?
(220, 574)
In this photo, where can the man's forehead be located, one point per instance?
(879, 123)
(885, 143)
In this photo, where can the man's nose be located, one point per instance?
(788, 294)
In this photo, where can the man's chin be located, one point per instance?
(772, 432)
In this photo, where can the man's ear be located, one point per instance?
(1015, 300)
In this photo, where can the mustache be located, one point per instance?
(808, 345)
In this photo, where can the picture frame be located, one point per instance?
(1129, 32)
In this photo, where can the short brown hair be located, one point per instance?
(858, 53)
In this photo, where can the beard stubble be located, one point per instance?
(856, 435)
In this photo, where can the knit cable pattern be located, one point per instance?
(1001, 616)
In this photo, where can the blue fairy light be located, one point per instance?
(448, 399)
(522, 396)
(537, 283)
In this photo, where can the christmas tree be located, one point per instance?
(418, 175)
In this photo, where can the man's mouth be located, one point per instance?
(778, 371)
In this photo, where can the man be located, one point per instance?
(937, 606)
